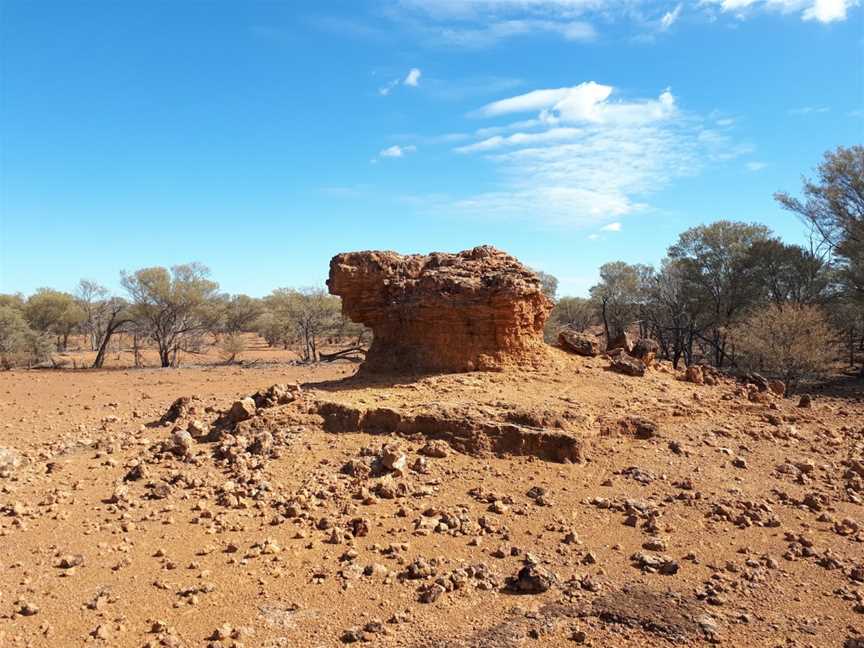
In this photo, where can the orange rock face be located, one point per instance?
(480, 309)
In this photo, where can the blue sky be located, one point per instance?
(261, 138)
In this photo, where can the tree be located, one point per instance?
(575, 313)
(231, 346)
(617, 295)
(91, 297)
(15, 301)
(54, 312)
(714, 261)
(788, 272)
(115, 314)
(791, 342)
(672, 311)
(833, 207)
(240, 313)
(171, 306)
(548, 284)
(19, 344)
(303, 316)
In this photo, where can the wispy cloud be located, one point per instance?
(490, 33)
(412, 79)
(485, 23)
(808, 110)
(823, 11)
(671, 17)
(586, 156)
(612, 227)
(397, 151)
(756, 166)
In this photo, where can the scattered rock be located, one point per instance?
(531, 579)
(241, 410)
(436, 448)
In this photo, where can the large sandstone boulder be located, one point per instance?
(480, 309)
(626, 364)
(579, 342)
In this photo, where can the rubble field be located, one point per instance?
(563, 505)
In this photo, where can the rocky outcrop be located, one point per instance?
(480, 309)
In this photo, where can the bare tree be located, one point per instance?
(115, 314)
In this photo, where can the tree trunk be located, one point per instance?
(103, 348)
(606, 323)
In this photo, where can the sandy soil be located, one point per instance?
(692, 515)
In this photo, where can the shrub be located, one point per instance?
(19, 344)
(791, 341)
(231, 346)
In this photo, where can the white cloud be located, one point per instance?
(824, 11)
(388, 88)
(809, 110)
(670, 17)
(413, 78)
(397, 151)
(483, 23)
(586, 102)
(756, 166)
(586, 155)
(489, 33)
(497, 141)
(612, 227)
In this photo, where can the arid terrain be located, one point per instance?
(557, 506)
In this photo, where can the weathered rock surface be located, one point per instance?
(480, 309)
(579, 342)
(627, 364)
(646, 350)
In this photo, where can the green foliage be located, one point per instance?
(570, 312)
(548, 284)
(174, 308)
(301, 317)
(240, 312)
(19, 344)
(833, 206)
(16, 301)
(789, 341)
(54, 312)
(618, 294)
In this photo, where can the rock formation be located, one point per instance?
(480, 309)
